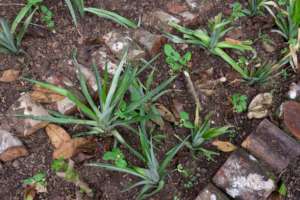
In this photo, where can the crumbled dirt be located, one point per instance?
(50, 53)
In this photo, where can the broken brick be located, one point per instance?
(188, 18)
(118, 44)
(291, 117)
(211, 192)
(272, 145)
(176, 7)
(25, 106)
(151, 42)
(242, 177)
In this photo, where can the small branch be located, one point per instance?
(12, 4)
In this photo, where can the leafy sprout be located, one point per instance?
(174, 60)
(239, 102)
(212, 40)
(152, 176)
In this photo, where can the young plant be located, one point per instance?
(237, 11)
(10, 42)
(174, 60)
(47, 17)
(239, 102)
(212, 40)
(102, 115)
(77, 8)
(117, 156)
(201, 133)
(288, 23)
(154, 173)
(257, 7)
(189, 179)
(66, 171)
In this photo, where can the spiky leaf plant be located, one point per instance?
(102, 115)
(212, 40)
(152, 176)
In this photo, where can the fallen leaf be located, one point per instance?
(29, 193)
(165, 113)
(224, 146)
(57, 135)
(9, 75)
(233, 41)
(259, 106)
(13, 153)
(42, 95)
(69, 148)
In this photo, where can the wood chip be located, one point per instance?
(9, 75)
(224, 146)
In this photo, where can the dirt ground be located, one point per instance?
(50, 53)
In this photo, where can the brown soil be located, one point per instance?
(50, 52)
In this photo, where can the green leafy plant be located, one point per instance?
(66, 171)
(257, 7)
(288, 23)
(154, 174)
(47, 17)
(77, 8)
(10, 42)
(103, 116)
(174, 60)
(185, 120)
(237, 11)
(239, 102)
(201, 133)
(211, 40)
(38, 180)
(117, 156)
(282, 190)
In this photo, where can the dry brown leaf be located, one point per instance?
(232, 41)
(69, 148)
(42, 95)
(57, 135)
(165, 113)
(259, 106)
(224, 146)
(9, 75)
(29, 192)
(13, 153)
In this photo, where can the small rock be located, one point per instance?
(188, 18)
(118, 44)
(151, 42)
(243, 178)
(291, 117)
(272, 145)
(160, 19)
(259, 106)
(89, 77)
(10, 147)
(294, 92)
(193, 4)
(268, 47)
(103, 60)
(176, 7)
(25, 106)
(210, 192)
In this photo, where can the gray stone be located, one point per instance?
(118, 44)
(210, 192)
(151, 42)
(102, 59)
(243, 178)
(25, 106)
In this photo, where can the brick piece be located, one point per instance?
(10, 147)
(25, 106)
(118, 43)
(160, 19)
(151, 42)
(291, 117)
(211, 192)
(272, 145)
(176, 7)
(188, 18)
(243, 178)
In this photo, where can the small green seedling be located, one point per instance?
(185, 120)
(189, 179)
(282, 190)
(47, 17)
(239, 102)
(66, 171)
(117, 156)
(237, 11)
(35, 184)
(174, 59)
